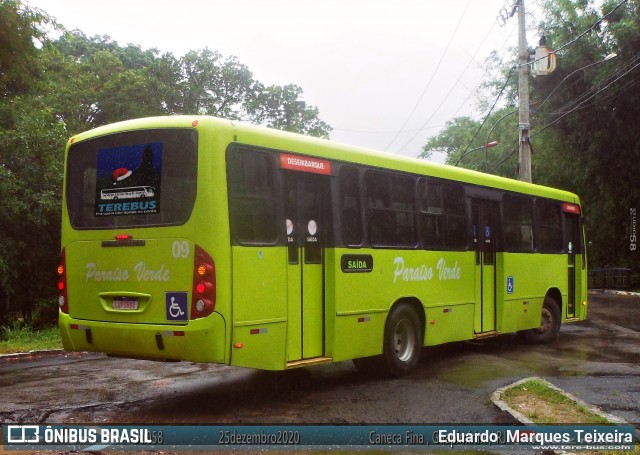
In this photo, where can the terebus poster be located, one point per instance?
(128, 180)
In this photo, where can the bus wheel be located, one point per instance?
(549, 324)
(402, 341)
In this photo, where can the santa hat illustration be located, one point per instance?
(120, 174)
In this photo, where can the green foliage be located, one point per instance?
(51, 89)
(463, 140)
(20, 29)
(584, 115)
(19, 337)
(280, 108)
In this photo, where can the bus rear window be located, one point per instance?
(132, 179)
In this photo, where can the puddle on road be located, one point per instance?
(578, 352)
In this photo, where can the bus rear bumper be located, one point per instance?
(201, 340)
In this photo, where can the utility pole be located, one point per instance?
(524, 123)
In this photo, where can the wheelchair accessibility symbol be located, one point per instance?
(509, 285)
(176, 305)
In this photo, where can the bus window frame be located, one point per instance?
(242, 150)
(369, 210)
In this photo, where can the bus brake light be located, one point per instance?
(203, 298)
(63, 299)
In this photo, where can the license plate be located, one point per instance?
(124, 304)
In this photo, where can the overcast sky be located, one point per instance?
(373, 68)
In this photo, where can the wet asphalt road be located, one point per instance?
(597, 361)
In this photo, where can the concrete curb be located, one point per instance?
(496, 398)
(611, 292)
(30, 354)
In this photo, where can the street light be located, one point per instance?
(485, 146)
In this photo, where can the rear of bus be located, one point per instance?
(143, 251)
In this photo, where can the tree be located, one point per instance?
(109, 83)
(52, 89)
(463, 140)
(30, 162)
(213, 85)
(20, 28)
(586, 116)
(280, 107)
(584, 134)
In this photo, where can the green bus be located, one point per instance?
(208, 240)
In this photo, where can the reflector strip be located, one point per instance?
(447, 310)
(364, 319)
(78, 327)
(173, 333)
(258, 331)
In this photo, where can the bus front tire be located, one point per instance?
(549, 324)
(402, 341)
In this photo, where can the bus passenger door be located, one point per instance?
(307, 224)
(485, 216)
(574, 262)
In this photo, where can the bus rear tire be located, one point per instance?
(549, 324)
(402, 341)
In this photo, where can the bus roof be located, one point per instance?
(296, 143)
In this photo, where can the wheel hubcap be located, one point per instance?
(403, 340)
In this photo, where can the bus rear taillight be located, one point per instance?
(63, 300)
(203, 300)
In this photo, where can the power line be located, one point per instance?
(509, 155)
(346, 130)
(580, 105)
(490, 110)
(529, 63)
(471, 92)
(555, 51)
(444, 53)
(586, 99)
(471, 60)
(568, 76)
(581, 98)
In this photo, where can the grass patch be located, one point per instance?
(545, 405)
(24, 338)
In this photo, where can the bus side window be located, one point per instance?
(350, 210)
(455, 217)
(548, 226)
(390, 209)
(252, 197)
(518, 223)
(431, 213)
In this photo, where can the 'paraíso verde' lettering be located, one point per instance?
(420, 273)
(448, 273)
(425, 273)
(93, 273)
(141, 270)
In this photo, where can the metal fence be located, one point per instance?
(616, 278)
